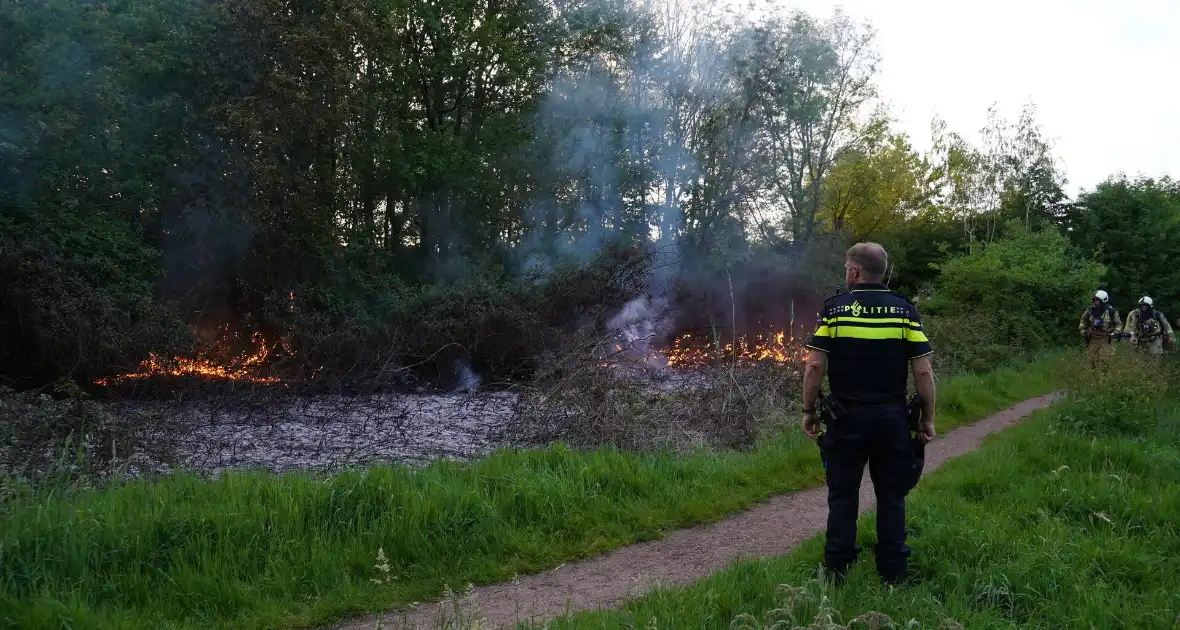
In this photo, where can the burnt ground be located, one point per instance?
(773, 528)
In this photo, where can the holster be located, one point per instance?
(830, 412)
(917, 459)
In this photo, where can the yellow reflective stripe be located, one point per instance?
(868, 320)
(864, 332)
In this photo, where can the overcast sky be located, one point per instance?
(1101, 73)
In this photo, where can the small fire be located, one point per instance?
(694, 352)
(241, 368)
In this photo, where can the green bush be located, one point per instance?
(966, 343)
(76, 300)
(1007, 297)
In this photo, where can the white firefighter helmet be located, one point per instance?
(1146, 300)
(1102, 295)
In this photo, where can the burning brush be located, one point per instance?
(689, 351)
(211, 365)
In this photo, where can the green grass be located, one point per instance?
(1070, 520)
(253, 550)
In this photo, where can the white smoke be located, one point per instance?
(639, 325)
(468, 380)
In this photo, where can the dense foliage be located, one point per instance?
(361, 170)
(1024, 291)
(1133, 227)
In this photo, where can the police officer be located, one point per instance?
(1097, 324)
(868, 340)
(1148, 327)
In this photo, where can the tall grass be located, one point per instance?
(1071, 520)
(253, 550)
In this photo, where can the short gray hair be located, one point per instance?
(870, 257)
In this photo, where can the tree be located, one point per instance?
(1133, 227)
(811, 81)
(230, 154)
(1030, 186)
(875, 189)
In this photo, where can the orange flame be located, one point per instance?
(241, 368)
(692, 352)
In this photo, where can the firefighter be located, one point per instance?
(1149, 328)
(1098, 324)
(869, 341)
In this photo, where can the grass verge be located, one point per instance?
(254, 550)
(1071, 520)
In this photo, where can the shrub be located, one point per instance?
(578, 401)
(76, 300)
(63, 440)
(501, 327)
(968, 343)
(1121, 400)
(1003, 298)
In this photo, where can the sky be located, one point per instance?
(1101, 74)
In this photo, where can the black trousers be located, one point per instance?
(880, 437)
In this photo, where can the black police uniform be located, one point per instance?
(870, 335)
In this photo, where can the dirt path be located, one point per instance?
(772, 528)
